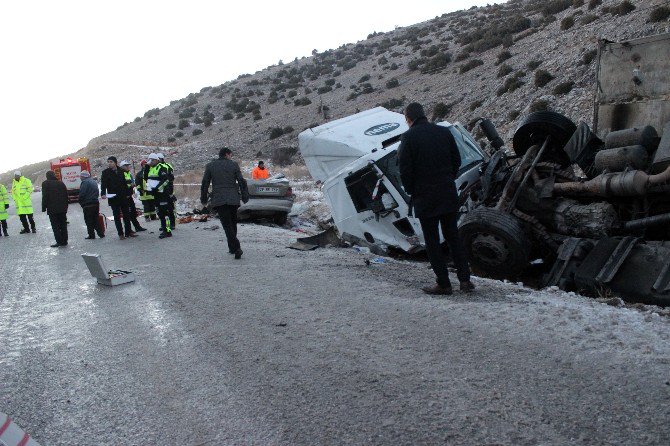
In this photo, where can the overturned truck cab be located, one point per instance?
(356, 160)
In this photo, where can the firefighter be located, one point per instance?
(260, 172)
(130, 182)
(149, 208)
(159, 182)
(173, 199)
(4, 205)
(22, 189)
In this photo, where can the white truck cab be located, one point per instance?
(356, 159)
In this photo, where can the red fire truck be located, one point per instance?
(68, 170)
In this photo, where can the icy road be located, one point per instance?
(295, 348)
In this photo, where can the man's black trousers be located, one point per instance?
(59, 226)
(133, 213)
(438, 260)
(121, 207)
(25, 219)
(228, 216)
(91, 213)
(162, 202)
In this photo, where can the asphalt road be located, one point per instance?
(294, 348)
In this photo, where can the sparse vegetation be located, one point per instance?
(440, 111)
(542, 78)
(659, 14)
(593, 4)
(588, 57)
(196, 132)
(504, 70)
(475, 105)
(588, 18)
(171, 126)
(513, 115)
(538, 105)
(179, 134)
(567, 22)
(563, 88)
(503, 56)
(392, 83)
(533, 64)
(511, 84)
(183, 123)
(277, 132)
(471, 65)
(392, 104)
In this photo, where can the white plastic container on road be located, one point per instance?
(13, 435)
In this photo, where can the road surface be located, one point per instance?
(294, 348)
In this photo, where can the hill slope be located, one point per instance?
(497, 61)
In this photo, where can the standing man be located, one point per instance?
(113, 183)
(88, 199)
(130, 183)
(170, 190)
(148, 206)
(158, 182)
(227, 186)
(429, 162)
(260, 172)
(22, 189)
(54, 203)
(4, 205)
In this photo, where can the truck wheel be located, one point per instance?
(536, 127)
(281, 218)
(495, 242)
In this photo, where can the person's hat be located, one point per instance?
(85, 174)
(143, 162)
(160, 156)
(17, 173)
(153, 156)
(124, 163)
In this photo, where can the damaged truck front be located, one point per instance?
(356, 160)
(591, 204)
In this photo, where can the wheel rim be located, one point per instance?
(490, 249)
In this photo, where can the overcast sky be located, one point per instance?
(76, 69)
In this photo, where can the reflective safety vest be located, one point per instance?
(144, 193)
(21, 192)
(4, 202)
(158, 179)
(129, 179)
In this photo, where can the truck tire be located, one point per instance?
(496, 242)
(536, 127)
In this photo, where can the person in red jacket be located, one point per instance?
(260, 172)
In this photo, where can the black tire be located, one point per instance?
(496, 243)
(281, 218)
(536, 127)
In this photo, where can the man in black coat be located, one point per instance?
(113, 183)
(429, 161)
(55, 203)
(228, 185)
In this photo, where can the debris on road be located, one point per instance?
(106, 276)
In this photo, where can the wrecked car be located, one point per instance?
(593, 205)
(272, 198)
(356, 159)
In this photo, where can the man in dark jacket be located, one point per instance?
(429, 161)
(54, 203)
(227, 187)
(114, 184)
(88, 199)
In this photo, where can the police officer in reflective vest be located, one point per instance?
(4, 204)
(159, 182)
(173, 199)
(22, 189)
(130, 182)
(149, 208)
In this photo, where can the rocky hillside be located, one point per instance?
(498, 61)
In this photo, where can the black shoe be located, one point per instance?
(55, 246)
(63, 244)
(165, 235)
(140, 229)
(34, 231)
(89, 238)
(467, 287)
(231, 252)
(438, 290)
(238, 254)
(132, 234)
(24, 231)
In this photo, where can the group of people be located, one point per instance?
(21, 192)
(154, 182)
(428, 159)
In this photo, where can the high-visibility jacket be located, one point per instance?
(260, 174)
(4, 202)
(159, 180)
(129, 180)
(21, 192)
(141, 183)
